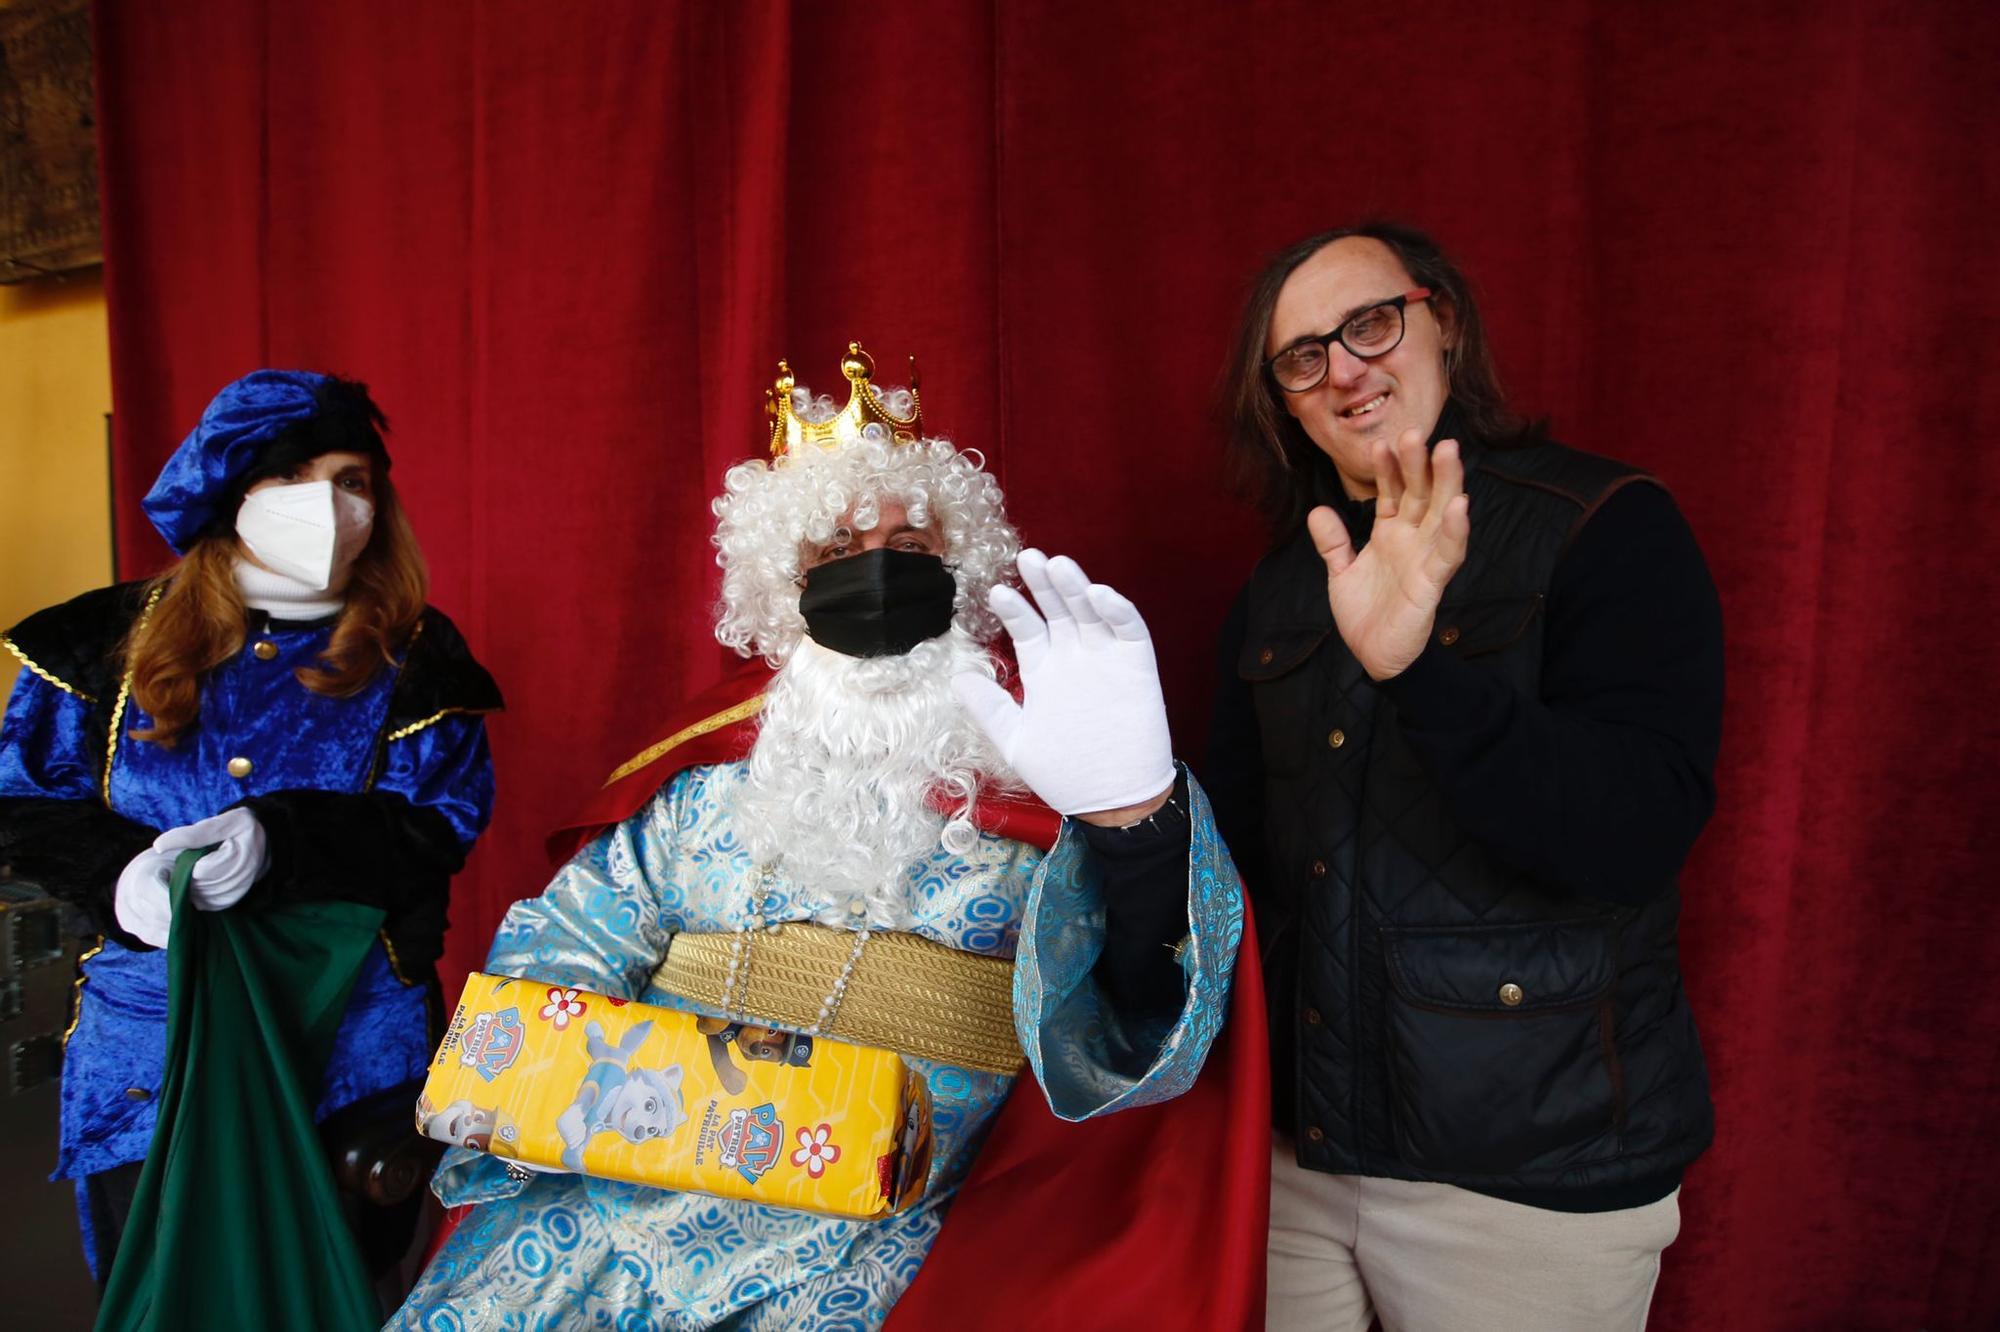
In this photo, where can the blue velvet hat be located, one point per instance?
(197, 481)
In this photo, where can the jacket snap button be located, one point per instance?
(1510, 994)
(239, 767)
(1312, 1017)
(138, 1094)
(1264, 657)
(1336, 738)
(265, 649)
(1319, 869)
(1449, 636)
(1316, 1133)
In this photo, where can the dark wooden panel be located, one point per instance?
(48, 140)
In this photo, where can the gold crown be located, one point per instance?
(864, 408)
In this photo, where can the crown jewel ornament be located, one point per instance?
(866, 406)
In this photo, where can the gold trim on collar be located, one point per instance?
(749, 707)
(404, 732)
(124, 693)
(36, 668)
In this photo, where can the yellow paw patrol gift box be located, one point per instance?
(557, 1076)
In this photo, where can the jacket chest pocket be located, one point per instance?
(1500, 1045)
(1484, 625)
(1282, 669)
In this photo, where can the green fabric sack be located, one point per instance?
(235, 1222)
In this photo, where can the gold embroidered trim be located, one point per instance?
(749, 707)
(124, 693)
(382, 746)
(36, 667)
(404, 732)
(395, 963)
(76, 991)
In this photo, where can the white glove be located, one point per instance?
(141, 903)
(221, 877)
(1091, 731)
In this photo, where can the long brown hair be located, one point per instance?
(200, 620)
(1270, 458)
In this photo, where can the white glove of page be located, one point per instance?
(224, 875)
(141, 903)
(1090, 732)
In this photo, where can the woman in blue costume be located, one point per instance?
(860, 564)
(282, 692)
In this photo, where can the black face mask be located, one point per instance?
(880, 603)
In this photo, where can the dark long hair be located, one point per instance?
(1271, 460)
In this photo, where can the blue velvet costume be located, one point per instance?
(417, 788)
(563, 1251)
(372, 798)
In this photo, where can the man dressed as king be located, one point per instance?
(880, 790)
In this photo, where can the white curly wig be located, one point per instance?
(770, 513)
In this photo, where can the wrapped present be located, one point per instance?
(554, 1076)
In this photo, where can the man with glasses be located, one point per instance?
(1470, 707)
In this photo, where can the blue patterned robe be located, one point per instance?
(567, 1251)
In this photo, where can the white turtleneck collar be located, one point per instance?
(283, 597)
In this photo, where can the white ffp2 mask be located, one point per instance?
(309, 531)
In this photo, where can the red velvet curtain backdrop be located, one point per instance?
(1746, 245)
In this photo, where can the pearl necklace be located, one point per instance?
(743, 945)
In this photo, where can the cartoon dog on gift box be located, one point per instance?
(638, 1104)
(461, 1123)
(767, 1045)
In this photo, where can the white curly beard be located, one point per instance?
(847, 752)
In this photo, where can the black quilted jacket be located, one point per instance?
(1466, 876)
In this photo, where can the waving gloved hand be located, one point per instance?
(224, 875)
(141, 903)
(1090, 734)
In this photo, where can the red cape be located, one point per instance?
(1143, 1219)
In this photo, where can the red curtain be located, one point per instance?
(1746, 245)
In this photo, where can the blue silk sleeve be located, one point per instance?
(600, 925)
(1090, 1058)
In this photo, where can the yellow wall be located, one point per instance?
(55, 484)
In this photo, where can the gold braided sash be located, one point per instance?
(906, 994)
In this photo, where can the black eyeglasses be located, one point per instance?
(1375, 331)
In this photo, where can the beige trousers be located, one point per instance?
(1435, 1258)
